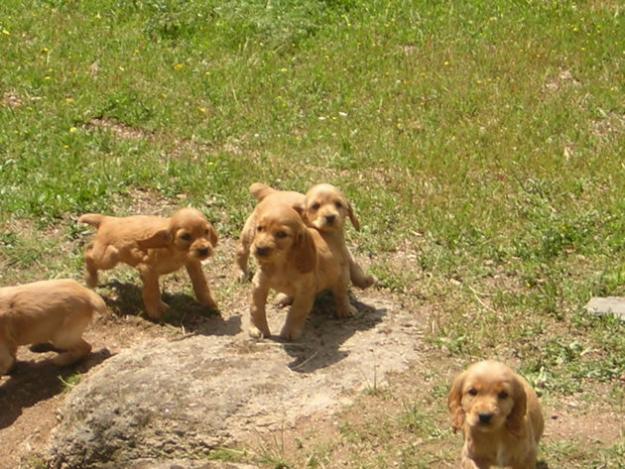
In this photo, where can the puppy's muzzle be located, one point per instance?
(203, 252)
(485, 418)
(262, 251)
(330, 219)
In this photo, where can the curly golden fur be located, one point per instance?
(155, 246)
(499, 415)
(55, 311)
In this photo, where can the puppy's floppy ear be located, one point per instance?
(299, 208)
(517, 415)
(212, 235)
(454, 402)
(352, 216)
(304, 252)
(160, 239)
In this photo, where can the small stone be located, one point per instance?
(601, 306)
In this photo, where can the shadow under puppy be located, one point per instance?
(55, 311)
(154, 246)
(499, 415)
(295, 260)
(330, 203)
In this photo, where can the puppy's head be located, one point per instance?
(486, 397)
(189, 231)
(326, 208)
(281, 236)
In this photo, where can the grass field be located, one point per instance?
(482, 143)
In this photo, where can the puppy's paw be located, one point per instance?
(156, 312)
(346, 312)
(209, 303)
(256, 333)
(364, 282)
(282, 300)
(290, 334)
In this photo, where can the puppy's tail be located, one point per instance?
(93, 219)
(260, 190)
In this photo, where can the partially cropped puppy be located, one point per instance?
(295, 260)
(333, 232)
(326, 208)
(155, 246)
(499, 414)
(55, 311)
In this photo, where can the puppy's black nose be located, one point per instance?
(485, 418)
(203, 251)
(330, 219)
(262, 251)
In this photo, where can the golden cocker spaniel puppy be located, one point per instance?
(326, 208)
(55, 311)
(154, 246)
(295, 260)
(499, 415)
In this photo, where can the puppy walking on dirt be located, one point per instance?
(154, 246)
(499, 415)
(55, 311)
(296, 261)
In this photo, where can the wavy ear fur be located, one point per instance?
(454, 402)
(517, 415)
(160, 239)
(352, 216)
(305, 252)
(212, 234)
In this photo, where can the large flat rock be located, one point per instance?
(176, 399)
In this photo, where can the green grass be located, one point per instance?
(485, 137)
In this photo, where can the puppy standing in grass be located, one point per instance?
(55, 311)
(295, 260)
(155, 246)
(500, 416)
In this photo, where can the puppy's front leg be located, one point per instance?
(7, 358)
(296, 318)
(258, 316)
(200, 285)
(154, 306)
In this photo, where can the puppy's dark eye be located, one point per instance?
(185, 236)
(502, 395)
(473, 392)
(281, 234)
(338, 204)
(259, 228)
(315, 206)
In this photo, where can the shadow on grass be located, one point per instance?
(542, 465)
(184, 310)
(31, 382)
(324, 334)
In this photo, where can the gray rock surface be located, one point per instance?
(164, 400)
(600, 306)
